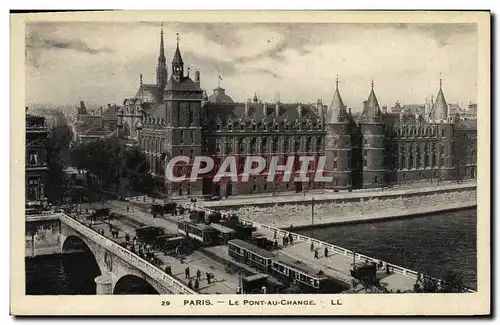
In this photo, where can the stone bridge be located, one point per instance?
(120, 269)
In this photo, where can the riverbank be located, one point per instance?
(300, 215)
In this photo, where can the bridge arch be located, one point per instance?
(81, 262)
(132, 285)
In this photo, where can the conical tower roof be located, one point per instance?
(177, 55)
(371, 111)
(440, 109)
(336, 111)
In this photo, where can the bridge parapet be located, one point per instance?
(155, 273)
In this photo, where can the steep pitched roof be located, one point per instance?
(150, 93)
(440, 109)
(336, 111)
(184, 84)
(371, 110)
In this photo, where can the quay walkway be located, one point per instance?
(339, 262)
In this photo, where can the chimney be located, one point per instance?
(101, 110)
(246, 108)
(197, 77)
(264, 109)
(349, 110)
(299, 110)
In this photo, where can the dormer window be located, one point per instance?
(218, 127)
(230, 127)
(254, 127)
(287, 126)
(276, 127)
(242, 126)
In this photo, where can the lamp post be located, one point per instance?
(312, 216)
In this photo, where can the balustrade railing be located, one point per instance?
(164, 279)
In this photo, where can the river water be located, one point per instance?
(435, 244)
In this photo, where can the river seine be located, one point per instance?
(435, 244)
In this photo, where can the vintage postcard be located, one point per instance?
(250, 163)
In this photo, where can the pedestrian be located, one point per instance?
(275, 244)
(196, 285)
(275, 234)
(284, 241)
(127, 237)
(135, 240)
(198, 275)
(316, 253)
(387, 270)
(190, 284)
(128, 208)
(326, 252)
(290, 238)
(208, 278)
(312, 246)
(186, 272)
(132, 249)
(110, 227)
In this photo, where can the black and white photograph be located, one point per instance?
(273, 162)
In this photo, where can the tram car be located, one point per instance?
(200, 232)
(243, 232)
(285, 268)
(224, 234)
(250, 254)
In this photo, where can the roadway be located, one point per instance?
(221, 282)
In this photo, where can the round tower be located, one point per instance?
(337, 144)
(372, 143)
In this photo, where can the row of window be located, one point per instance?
(305, 125)
(267, 144)
(411, 131)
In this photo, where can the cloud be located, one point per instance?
(36, 44)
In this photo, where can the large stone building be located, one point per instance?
(36, 161)
(377, 148)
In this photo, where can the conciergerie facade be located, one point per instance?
(175, 117)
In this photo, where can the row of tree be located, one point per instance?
(119, 167)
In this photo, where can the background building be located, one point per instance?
(36, 163)
(408, 143)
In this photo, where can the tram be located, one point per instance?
(250, 254)
(285, 268)
(200, 232)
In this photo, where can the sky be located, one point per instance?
(100, 62)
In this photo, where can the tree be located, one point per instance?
(451, 283)
(119, 167)
(57, 150)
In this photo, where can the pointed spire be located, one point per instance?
(371, 111)
(161, 68)
(440, 109)
(161, 57)
(337, 110)
(177, 63)
(140, 79)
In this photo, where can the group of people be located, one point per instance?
(287, 239)
(316, 253)
(196, 285)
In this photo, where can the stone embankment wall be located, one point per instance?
(300, 214)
